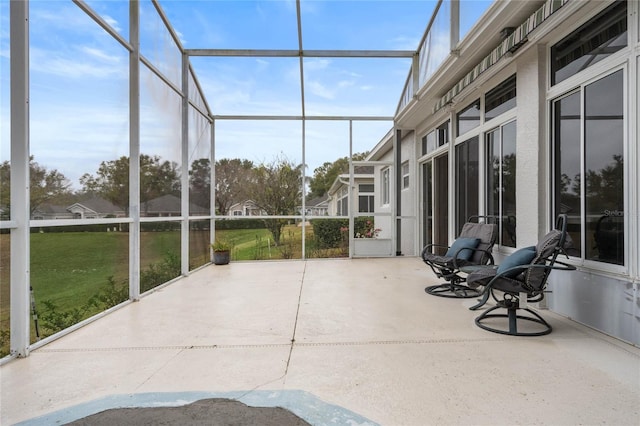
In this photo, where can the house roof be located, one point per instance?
(97, 205)
(169, 204)
(51, 209)
(318, 201)
(245, 203)
(343, 179)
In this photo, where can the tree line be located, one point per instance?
(275, 188)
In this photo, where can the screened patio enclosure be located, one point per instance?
(117, 119)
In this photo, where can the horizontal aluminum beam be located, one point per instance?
(303, 53)
(299, 117)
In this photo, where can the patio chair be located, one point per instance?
(521, 278)
(472, 247)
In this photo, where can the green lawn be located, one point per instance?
(257, 244)
(70, 269)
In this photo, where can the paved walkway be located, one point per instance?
(334, 341)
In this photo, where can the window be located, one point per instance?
(436, 138)
(405, 175)
(501, 180)
(590, 189)
(429, 142)
(385, 186)
(365, 198)
(468, 118)
(594, 41)
(500, 99)
(427, 202)
(442, 133)
(466, 187)
(343, 202)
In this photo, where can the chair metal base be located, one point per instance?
(451, 290)
(513, 317)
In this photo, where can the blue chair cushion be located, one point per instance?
(463, 243)
(524, 256)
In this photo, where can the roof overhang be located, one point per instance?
(478, 43)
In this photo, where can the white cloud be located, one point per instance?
(319, 89)
(112, 22)
(55, 63)
(208, 35)
(100, 55)
(349, 73)
(262, 64)
(76, 138)
(316, 64)
(404, 43)
(183, 41)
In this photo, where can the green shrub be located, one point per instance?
(53, 318)
(160, 226)
(329, 233)
(160, 273)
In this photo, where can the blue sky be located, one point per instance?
(79, 89)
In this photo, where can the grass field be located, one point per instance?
(70, 269)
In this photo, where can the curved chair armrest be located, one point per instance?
(564, 266)
(523, 268)
(487, 289)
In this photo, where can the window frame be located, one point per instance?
(501, 187)
(586, 78)
(342, 202)
(439, 135)
(481, 131)
(582, 27)
(405, 175)
(385, 186)
(508, 84)
(370, 195)
(480, 106)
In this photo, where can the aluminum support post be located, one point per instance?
(20, 206)
(184, 237)
(134, 151)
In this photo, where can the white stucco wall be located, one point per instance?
(531, 147)
(409, 196)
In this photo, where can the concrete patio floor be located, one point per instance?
(334, 341)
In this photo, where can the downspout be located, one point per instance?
(397, 213)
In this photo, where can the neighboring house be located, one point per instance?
(364, 192)
(99, 208)
(245, 208)
(51, 212)
(318, 206)
(169, 206)
(90, 208)
(95, 208)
